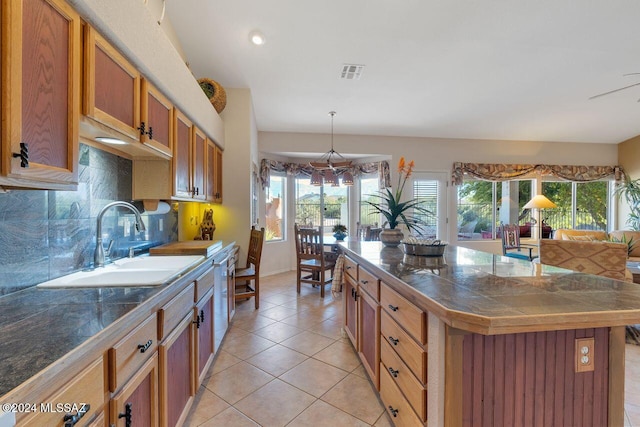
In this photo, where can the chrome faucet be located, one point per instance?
(98, 255)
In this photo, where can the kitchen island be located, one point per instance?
(473, 338)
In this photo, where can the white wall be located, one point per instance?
(430, 155)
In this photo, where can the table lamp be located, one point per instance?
(539, 202)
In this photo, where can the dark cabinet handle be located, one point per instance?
(142, 128)
(150, 132)
(393, 340)
(71, 420)
(364, 282)
(393, 372)
(23, 154)
(144, 347)
(202, 316)
(394, 412)
(393, 308)
(197, 322)
(348, 267)
(353, 293)
(126, 415)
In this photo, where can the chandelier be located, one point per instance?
(330, 166)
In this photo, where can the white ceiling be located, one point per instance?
(484, 69)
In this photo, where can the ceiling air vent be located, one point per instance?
(351, 71)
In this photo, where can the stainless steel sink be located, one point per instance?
(128, 272)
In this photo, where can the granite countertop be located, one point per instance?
(39, 326)
(491, 294)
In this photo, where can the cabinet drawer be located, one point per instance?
(172, 312)
(87, 392)
(412, 389)
(394, 402)
(126, 357)
(406, 314)
(203, 284)
(409, 351)
(369, 283)
(351, 268)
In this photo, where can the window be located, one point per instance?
(426, 191)
(368, 189)
(324, 205)
(275, 205)
(483, 205)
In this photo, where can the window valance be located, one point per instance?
(295, 169)
(506, 172)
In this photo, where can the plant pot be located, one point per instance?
(339, 236)
(391, 237)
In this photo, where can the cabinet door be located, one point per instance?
(181, 155)
(217, 192)
(204, 332)
(176, 374)
(156, 117)
(138, 399)
(210, 187)
(369, 336)
(41, 92)
(111, 86)
(198, 162)
(350, 310)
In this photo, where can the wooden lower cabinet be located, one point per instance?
(137, 401)
(350, 310)
(395, 403)
(204, 336)
(86, 395)
(177, 386)
(369, 335)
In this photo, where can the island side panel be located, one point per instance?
(530, 379)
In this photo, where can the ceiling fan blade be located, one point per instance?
(630, 74)
(613, 91)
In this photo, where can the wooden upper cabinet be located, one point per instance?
(181, 155)
(156, 119)
(111, 86)
(214, 172)
(40, 94)
(198, 163)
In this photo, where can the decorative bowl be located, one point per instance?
(431, 248)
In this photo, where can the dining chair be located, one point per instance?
(311, 262)
(511, 245)
(368, 232)
(251, 273)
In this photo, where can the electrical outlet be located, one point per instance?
(585, 352)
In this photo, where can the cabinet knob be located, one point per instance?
(71, 420)
(393, 307)
(23, 154)
(393, 340)
(126, 415)
(393, 411)
(144, 347)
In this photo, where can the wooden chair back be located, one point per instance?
(368, 232)
(254, 252)
(309, 243)
(510, 237)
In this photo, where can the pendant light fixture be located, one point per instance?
(330, 165)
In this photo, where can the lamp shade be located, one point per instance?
(316, 178)
(539, 202)
(347, 178)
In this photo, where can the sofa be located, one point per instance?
(626, 236)
(602, 258)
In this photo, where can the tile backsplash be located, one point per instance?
(47, 234)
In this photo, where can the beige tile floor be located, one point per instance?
(287, 364)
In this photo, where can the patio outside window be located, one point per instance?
(275, 205)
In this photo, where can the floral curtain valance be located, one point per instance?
(506, 172)
(295, 169)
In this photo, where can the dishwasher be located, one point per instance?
(220, 297)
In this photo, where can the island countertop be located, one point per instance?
(490, 294)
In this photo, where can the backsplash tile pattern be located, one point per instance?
(47, 234)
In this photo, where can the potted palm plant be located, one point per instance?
(389, 203)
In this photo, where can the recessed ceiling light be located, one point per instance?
(108, 140)
(257, 38)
